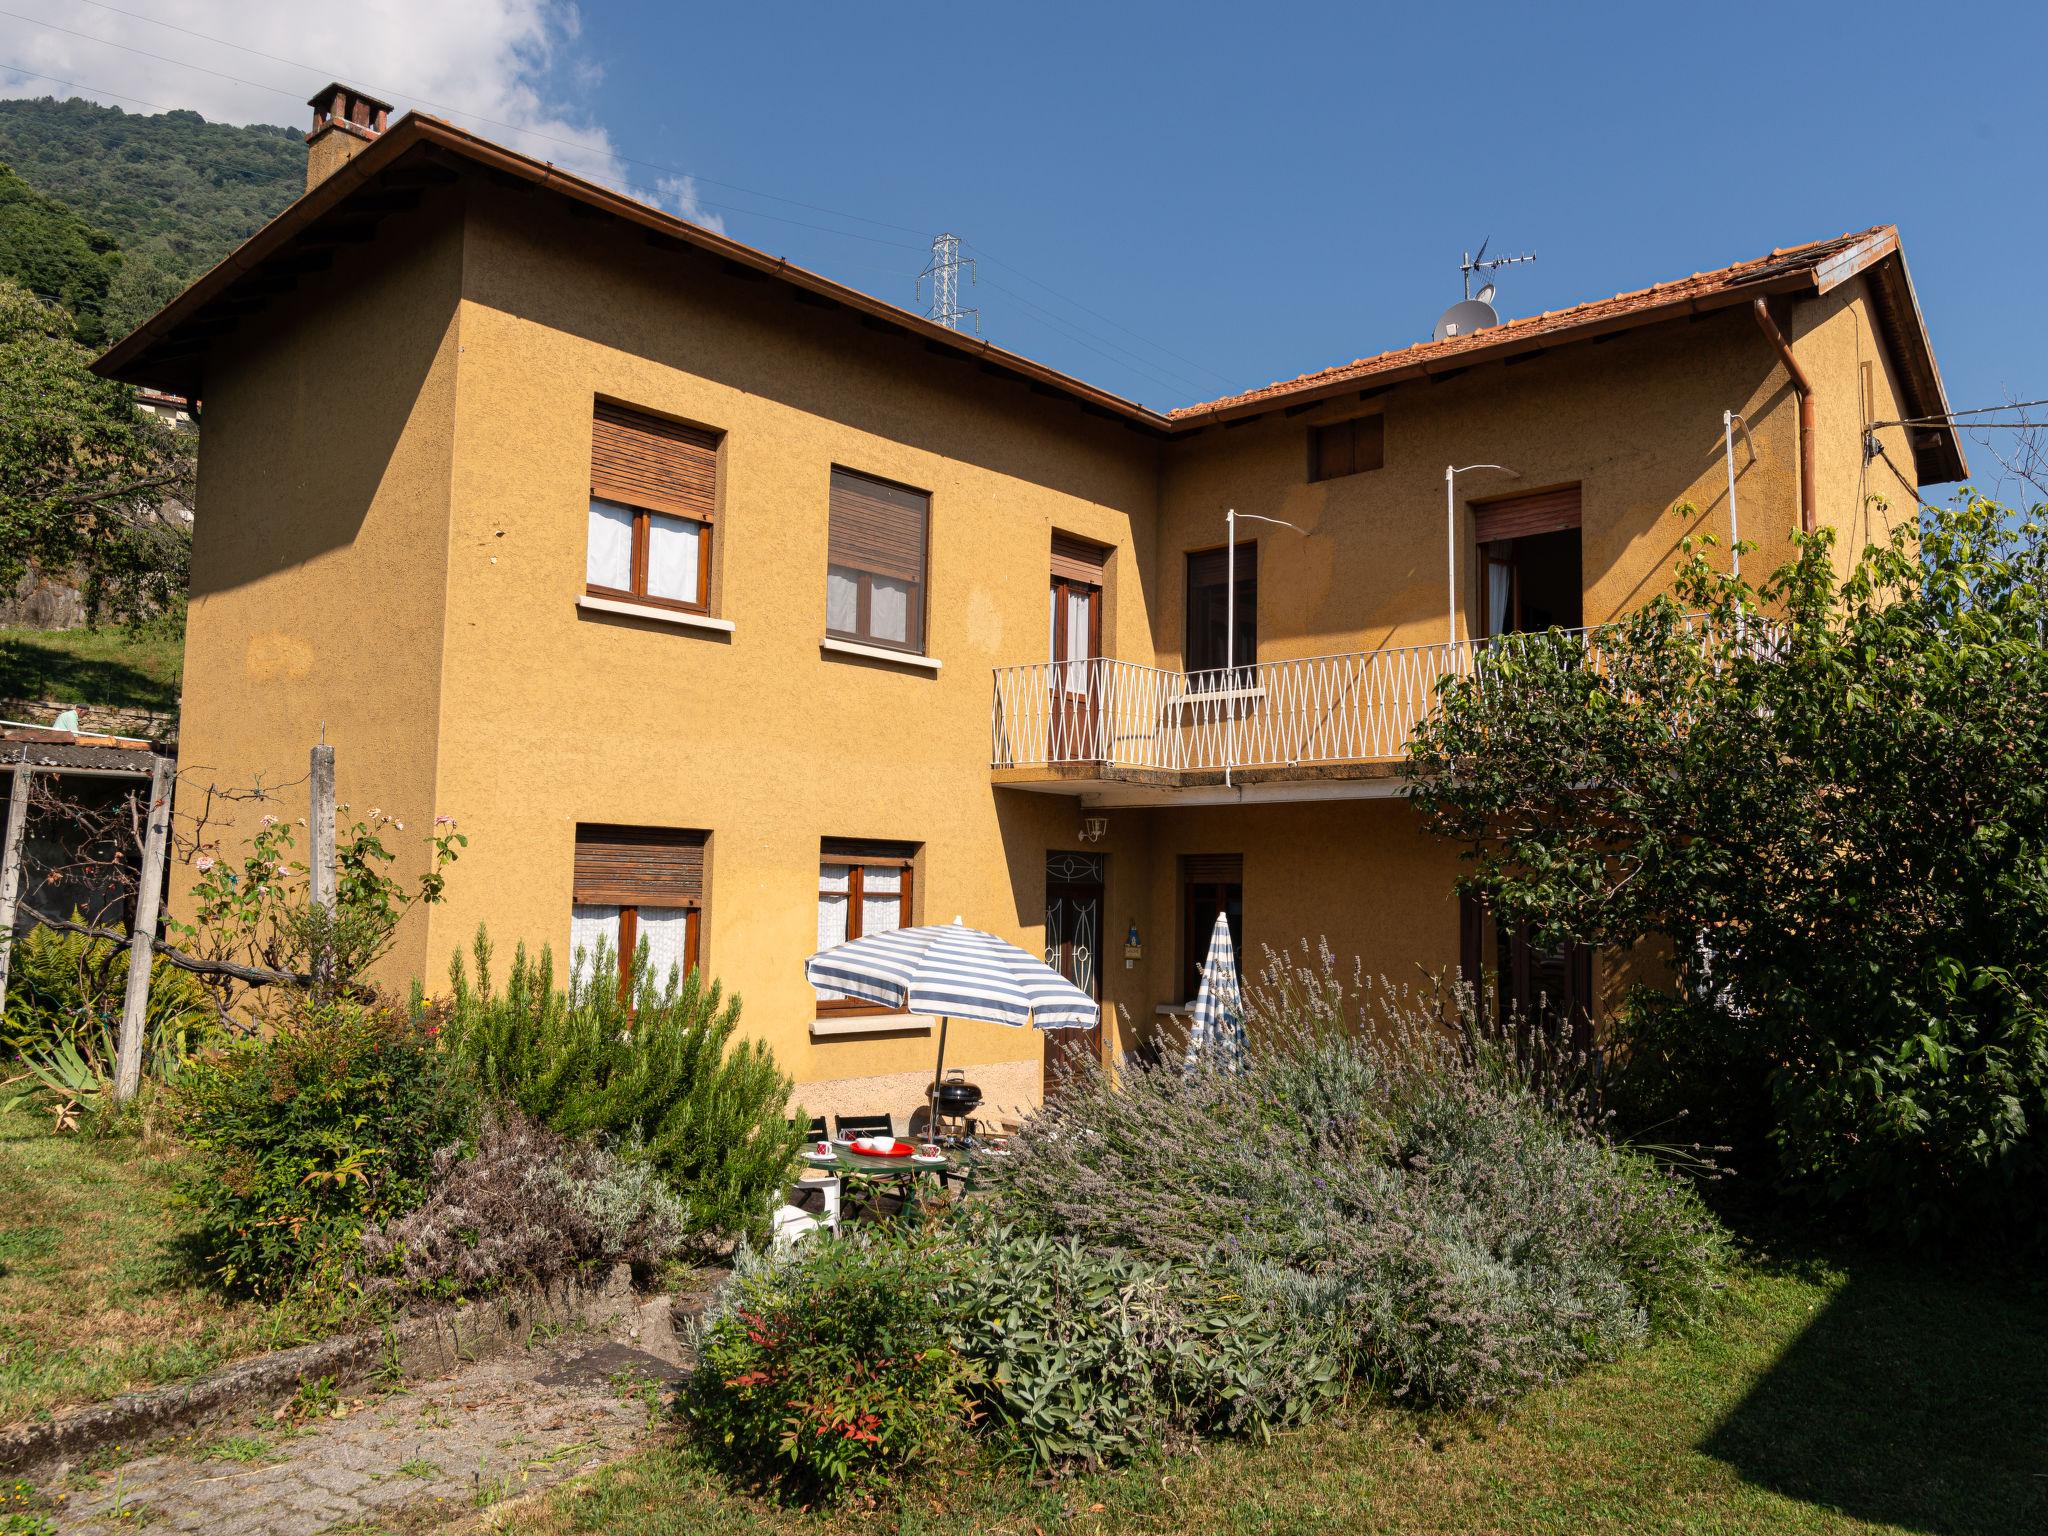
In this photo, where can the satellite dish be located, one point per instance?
(1465, 317)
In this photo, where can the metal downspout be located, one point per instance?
(1803, 388)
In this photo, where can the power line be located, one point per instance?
(1137, 361)
(652, 165)
(587, 149)
(1981, 410)
(1105, 319)
(1070, 330)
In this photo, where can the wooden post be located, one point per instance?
(149, 889)
(10, 867)
(320, 857)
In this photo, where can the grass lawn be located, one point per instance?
(1871, 1397)
(110, 667)
(93, 1297)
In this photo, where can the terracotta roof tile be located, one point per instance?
(1780, 262)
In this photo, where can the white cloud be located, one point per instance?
(679, 195)
(510, 70)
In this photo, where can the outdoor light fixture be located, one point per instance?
(1094, 828)
(1133, 950)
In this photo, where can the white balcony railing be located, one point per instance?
(1358, 707)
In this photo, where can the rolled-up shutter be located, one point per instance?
(639, 866)
(1520, 517)
(877, 527)
(645, 461)
(853, 850)
(1077, 559)
(1213, 868)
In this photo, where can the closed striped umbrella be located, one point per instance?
(1216, 1028)
(950, 971)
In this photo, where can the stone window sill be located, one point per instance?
(847, 1025)
(909, 659)
(674, 617)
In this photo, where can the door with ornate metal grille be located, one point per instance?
(1073, 947)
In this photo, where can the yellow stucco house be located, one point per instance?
(732, 610)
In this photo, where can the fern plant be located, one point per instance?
(652, 1068)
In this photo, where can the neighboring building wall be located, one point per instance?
(319, 570)
(554, 715)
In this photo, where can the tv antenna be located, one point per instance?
(1482, 263)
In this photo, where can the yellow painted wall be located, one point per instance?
(319, 563)
(554, 715)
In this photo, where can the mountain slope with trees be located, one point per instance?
(175, 192)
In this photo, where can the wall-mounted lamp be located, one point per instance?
(1094, 828)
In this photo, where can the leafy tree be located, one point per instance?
(88, 483)
(56, 255)
(1833, 822)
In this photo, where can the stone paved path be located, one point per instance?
(400, 1461)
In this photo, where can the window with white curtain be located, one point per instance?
(653, 499)
(636, 887)
(863, 889)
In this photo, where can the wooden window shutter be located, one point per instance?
(1077, 559)
(854, 850)
(662, 466)
(1347, 447)
(1213, 868)
(639, 866)
(1520, 517)
(1211, 568)
(877, 527)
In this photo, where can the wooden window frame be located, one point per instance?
(629, 935)
(856, 895)
(1247, 612)
(637, 592)
(1350, 425)
(918, 607)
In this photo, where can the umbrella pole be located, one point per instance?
(938, 1071)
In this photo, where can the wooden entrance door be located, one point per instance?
(1075, 678)
(1074, 948)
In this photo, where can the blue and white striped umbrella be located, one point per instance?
(1216, 1028)
(951, 971)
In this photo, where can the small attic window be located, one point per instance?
(1347, 447)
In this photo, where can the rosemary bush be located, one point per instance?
(652, 1069)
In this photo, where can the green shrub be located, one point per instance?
(306, 1137)
(1830, 822)
(1086, 1357)
(654, 1072)
(527, 1205)
(62, 987)
(828, 1371)
(1414, 1205)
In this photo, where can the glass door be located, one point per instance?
(1075, 676)
(1073, 947)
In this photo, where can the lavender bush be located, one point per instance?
(527, 1204)
(1407, 1188)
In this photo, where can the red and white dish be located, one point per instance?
(881, 1146)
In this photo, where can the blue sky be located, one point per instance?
(1256, 192)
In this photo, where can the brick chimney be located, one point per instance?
(345, 120)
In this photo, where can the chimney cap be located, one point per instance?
(337, 102)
